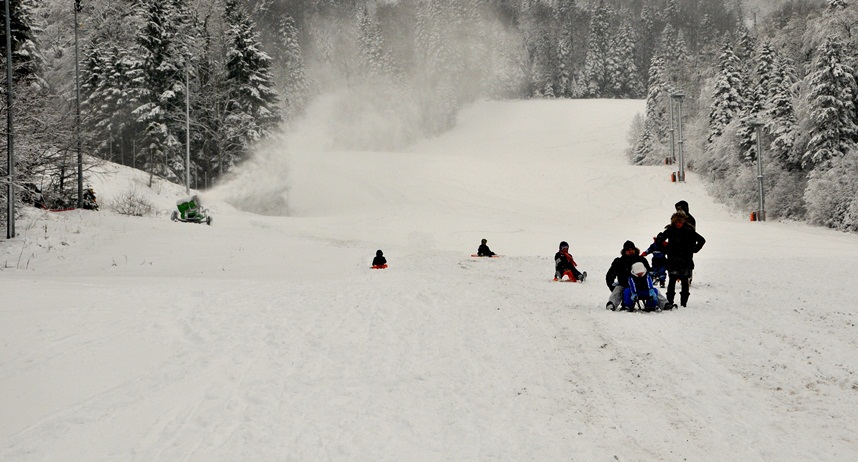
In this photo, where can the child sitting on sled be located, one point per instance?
(379, 262)
(484, 251)
(564, 265)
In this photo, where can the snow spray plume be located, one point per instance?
(382, 87)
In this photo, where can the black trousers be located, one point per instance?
(683, 275)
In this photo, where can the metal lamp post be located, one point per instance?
(77, 9)
(672, 130)
(758, 125)
(680, 176)
(187, 132)
(10, 194)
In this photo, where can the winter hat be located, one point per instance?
(638, 269)
(564, 244)
(378, 253)
(484, 241)
(678, 217)
(629, 245)
(682, 205)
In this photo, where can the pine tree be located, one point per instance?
(728, 99)
(746, 132)
(596, 67)
(831, 95)
(98, 87)
(834, 5)
(675, 53)
(27, 59)
(657, 100)
(375, 60)
(292, 73)
(647, 41)
(643, 147)
(624, 80)
(781, 114)
(564, 13)
(671, 14)
(745, 45)
(213, 144)
(252, 108)
(159, 88)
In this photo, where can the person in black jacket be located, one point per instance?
(379, 261)
(617, 277)
(682, 206)
(682, 243)
(484, 251)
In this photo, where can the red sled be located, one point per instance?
(482, 256)
(569, 275)
(379, 266)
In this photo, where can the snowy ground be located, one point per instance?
(266, 338)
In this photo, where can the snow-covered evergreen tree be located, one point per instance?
(657, 101)
(27, 59)
(107, 89)
(624, 80)
(375, 60)
(647, 35)
(596, 72)
(831, 95)
(253, 106)
(781, 123)
(158, 83)
(728, 99)
(564, 12)
(835, 5)
(832, 194)
(291, 72)
(745, 45)
(671, 14)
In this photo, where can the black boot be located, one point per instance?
(683, 299)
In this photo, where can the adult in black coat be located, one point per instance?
(617, 277)
(682, 206)
(682, 243)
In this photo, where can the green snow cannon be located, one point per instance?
(191, 211)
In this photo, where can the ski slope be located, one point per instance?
(268, 338)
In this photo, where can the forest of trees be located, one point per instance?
(794, 73)
(242, 71)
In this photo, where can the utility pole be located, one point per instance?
(10, 155)
(187, 131)
(681, 174)
(672, 129)
(758, 125)
(77, 9)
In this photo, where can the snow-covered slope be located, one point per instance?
(269, 338)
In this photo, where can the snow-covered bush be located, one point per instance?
(132, 203)
(832, 194)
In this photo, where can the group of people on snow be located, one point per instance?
(672, 252)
